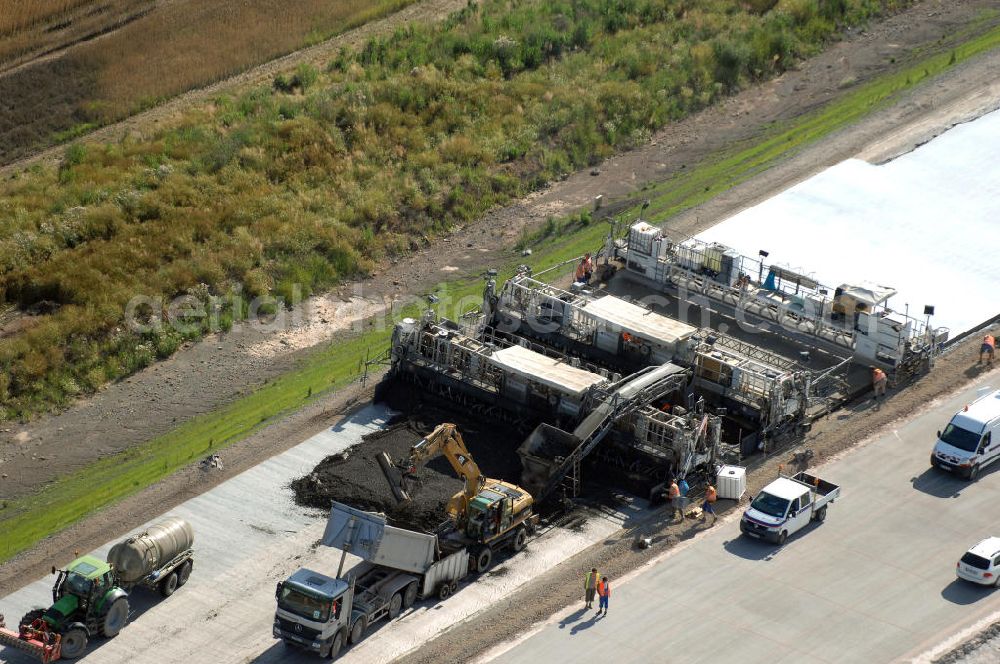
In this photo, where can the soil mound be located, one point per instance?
(355, 478)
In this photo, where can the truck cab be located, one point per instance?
(971, 440)
(312, 611)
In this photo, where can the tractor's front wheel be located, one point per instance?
(74, 643)
(115, 619)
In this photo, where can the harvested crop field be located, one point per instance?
(67, 67)
(356, 479)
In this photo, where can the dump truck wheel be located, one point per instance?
(358, 630)
(336, 645)
(115, 619)
(74, 643)
(184, 573)
(483, 559)
(520, 539)
(31, 616)
(410, 595)
(444, 591)
(395, 606)
(169, 585)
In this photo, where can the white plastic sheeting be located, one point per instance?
(926, 223)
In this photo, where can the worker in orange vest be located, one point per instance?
(603, 593)
(988, 349)
(674, 496)
(879, 382)
(584, 270)
(708, 507)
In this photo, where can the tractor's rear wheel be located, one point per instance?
(115, 619)
(74, 643)
(184, 573)
(169, 585)
(31, 616)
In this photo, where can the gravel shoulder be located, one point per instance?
(217, 370)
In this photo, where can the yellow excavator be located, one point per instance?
(487, 513)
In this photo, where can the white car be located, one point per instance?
(981, 563)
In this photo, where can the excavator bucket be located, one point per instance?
(394, 477)
(33, 639)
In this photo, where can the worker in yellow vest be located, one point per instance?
(590, 586)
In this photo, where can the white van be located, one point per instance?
(971, 441)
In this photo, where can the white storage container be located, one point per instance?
(731, 482)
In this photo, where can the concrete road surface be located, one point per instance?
(874, 583)
(249, 535)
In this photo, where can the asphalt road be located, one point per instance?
(874, 583)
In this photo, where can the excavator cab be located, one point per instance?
(490, 514)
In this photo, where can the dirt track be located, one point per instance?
(217, 370)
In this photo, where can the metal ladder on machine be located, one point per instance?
(615, 407)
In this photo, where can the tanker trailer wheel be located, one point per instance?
(115, 619)
(395, 606)
(410, 595)
(444, 591)
(74, 642)
(169, 585)
(184, 573)
(358, 629)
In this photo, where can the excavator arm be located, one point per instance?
(444, 440)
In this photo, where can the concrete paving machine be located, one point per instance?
(90, 596)
(487, 514)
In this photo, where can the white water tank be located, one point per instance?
(731, 482)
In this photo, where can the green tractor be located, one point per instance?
(87, 602)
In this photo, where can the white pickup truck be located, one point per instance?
(786, 506)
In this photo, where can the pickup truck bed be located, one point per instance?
(824, 491)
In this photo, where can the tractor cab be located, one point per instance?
(83, 584)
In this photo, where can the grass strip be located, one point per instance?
(28, 520)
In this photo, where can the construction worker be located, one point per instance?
(879, 382)
(674, 496)
(603, 593)
(584, 270)
(683, 498)
(988, 349)
(708, 507)
(590, 586)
